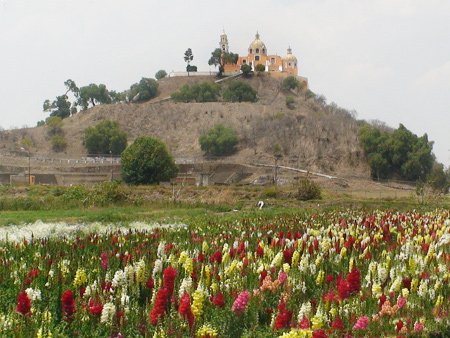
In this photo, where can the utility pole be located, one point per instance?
(110, 155)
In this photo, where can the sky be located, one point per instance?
(387, 59)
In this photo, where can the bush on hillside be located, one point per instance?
(260, 68)
(290, 83)
(219, 141)
(160, 74)
(200, 92)
(105, 138)
(145, 90)
(59, 143)
(246, 70)
(239, 91)
(147, 161)
(308, 190)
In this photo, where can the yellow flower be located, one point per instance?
(205, 247)
(316, 322)
(286, 267)
(297, 334)
(197, 303)
(295, 258)
(320, 277)
(207, 331)
(80, 278)
(343, 252)
(188, 265)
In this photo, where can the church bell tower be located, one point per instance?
(224, 42)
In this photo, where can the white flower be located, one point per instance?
(109, 309)
(33, 294)
(119, 279)
(157, 268)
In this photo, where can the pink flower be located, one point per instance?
(361, 323)
(401, 302)
(418, 327)
(241, 301)
(282, 276)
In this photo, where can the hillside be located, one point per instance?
(312, 136)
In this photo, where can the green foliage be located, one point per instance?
(40, 123)
(400, 154)
(219, 58)
(290, 102)
(58, 142)
(60, 107)
(260, 68)
(308, 190)
(145, 90)
(93, 94)
(160, 74)
(104, 138)
(438, 180)
(54, 125)
(201, 92)
(147, 161)
(188, 56)
(219, 141)
(290, 83)
(190, 68)
(239, 91)
(246, 70)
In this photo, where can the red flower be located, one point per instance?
(343, 288)
(304, 323)
(399, 325)
(354, 281)
(330, 296)
(329, 278)
(185, 309)
(283, 319)
(104, 260)
(337, 324)
(160, 306)
(33, 273)
(319, 334)
(262, 276)
(216, 257)
(95, 307)
(259, 251)
(168, 247)
(218, 299)
(287, 255)
(23, 304)
(67, 305)
(150, 283)
(169, 275)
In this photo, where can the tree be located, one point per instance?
(219, 141)
(147, 161)
(160, 74)
(54, 125)
(239, 91)
(438, 180)
(260, 68)
(290, 83)
(59, 143)
(145, 90)
(246, 70)
(93, 94)
(202, 92)
(220, 58)
(105, 138)
(188, 57)
(60, 107)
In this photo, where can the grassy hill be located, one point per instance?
(313, 135)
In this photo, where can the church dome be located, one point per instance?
(290, 58)
(257, 46)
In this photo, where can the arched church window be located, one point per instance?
(257, 58)
(264, 51)
(251, 51)
(257, 50)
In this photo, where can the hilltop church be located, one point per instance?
(257, 54)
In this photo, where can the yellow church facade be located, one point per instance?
(276, 65)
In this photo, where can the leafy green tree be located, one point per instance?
(260, 68)
(290, 83)
(202, 92)
(145, 90)
(105, 138)
(220, 58)
(188, 57)
(190, 68)
(93, 94)
(160, 74)
(438, 180)
(117, 97)
(54, 125)
(59, 143)
(246, 70)
(219, 141)
(60, 107)
(239, 91)
(147, 161)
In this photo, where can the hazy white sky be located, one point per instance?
(387, 59)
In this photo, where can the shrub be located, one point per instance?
(147, 161)
(190, 68)
(246, 70)
(54, 125)
(59, 143)
(239, 91)
(260, 68)
(308, 190)
(160, 74)
(219, 141)
(201, 92)
(145, 90)
(290, 102)
(105, 138)
(290, 83)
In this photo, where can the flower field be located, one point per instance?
(334, 274)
